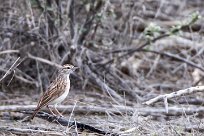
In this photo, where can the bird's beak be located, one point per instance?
(74, 68)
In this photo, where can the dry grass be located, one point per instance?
(102, 38)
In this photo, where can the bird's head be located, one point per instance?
(68, 68)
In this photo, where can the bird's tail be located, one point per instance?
(34, 113)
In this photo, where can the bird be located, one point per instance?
(57, 91)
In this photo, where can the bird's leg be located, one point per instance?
(57, 111)
(51, 111)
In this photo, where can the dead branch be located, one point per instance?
(191, 101)
(175, 94)
(71, 15)
(176, 57)
(119, 110)
(9, 51)
(103, 85)
(65, 122)
(21, 78)
(10, 69)
(26, 131)
(44, 60)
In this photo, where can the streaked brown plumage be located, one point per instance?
(57, 91)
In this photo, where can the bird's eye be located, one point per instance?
(67, 66)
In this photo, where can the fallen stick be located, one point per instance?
(119, 110)
(175, 94)
(26, 131)
(68, 108)
(66, 122)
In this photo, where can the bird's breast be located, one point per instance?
(62, 96)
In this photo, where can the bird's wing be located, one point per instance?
(52, 93)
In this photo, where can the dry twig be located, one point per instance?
(175, 94)
(44, 60)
